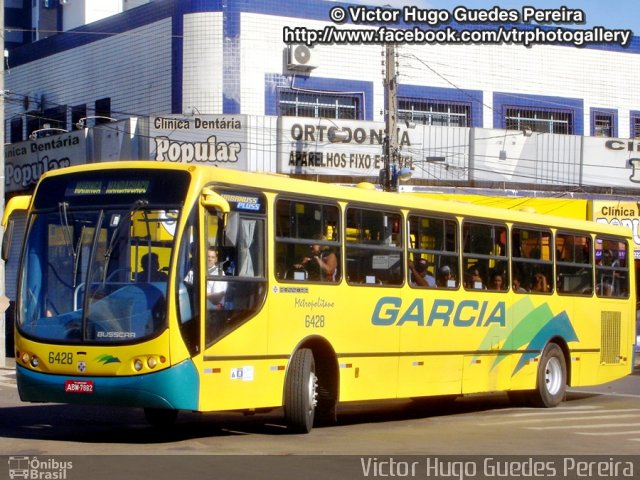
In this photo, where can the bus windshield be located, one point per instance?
(96, 257)
(97, 275)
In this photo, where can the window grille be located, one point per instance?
(538, 120)
(429, 112)
(295, 103)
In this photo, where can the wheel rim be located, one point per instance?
(313, 393)
(553, 376)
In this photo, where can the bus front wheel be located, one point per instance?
(301, 392)
(551, 384)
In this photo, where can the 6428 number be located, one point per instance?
(61, 358)
(314, 321)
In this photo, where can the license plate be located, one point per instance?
(78, 386)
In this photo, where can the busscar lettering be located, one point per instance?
(442, 312)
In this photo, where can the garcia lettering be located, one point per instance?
(466, 313)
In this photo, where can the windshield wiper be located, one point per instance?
(137, 205)
(64, 220)
(68, 239)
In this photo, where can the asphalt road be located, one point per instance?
(117, 443)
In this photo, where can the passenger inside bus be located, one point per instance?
(445, 278)
(151, 269)
(216, 289)
(517, 285)
(540, 284)
(497, 282)
(320, 264)
(474, 280)
(420, 274)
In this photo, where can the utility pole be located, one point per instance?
(390, 146)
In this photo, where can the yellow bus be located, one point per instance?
(175, 287)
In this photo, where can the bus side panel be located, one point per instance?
(606, 332)
(242, 384)
(424, 375)
(238, 372)
(342, 318)
(491, 373)
(368, 378)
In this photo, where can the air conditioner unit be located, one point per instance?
(299, 58)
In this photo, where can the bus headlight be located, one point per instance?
(138, 364)
(152, 362)
(35, 362)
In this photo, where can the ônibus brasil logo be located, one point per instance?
(35, 468)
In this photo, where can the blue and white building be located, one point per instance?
(228, 82)
(189, 76)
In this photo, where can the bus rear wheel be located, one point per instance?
(551, 384)
(301, 392)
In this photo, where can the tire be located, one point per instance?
(551, 382)
(160, 417)
(300, 392)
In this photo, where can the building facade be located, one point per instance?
(233, 83)
(468, 112)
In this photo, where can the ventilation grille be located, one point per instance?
(610, 337)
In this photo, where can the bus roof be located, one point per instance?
(205, 174)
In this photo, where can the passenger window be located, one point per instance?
(373, 247)
(484, 256)
(532, 261)
(574, 264)
(307, 241)
(433, 252)
(612, 271)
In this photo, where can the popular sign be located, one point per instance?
(207, 139)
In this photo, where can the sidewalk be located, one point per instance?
(10, 364)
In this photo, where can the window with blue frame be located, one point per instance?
(539, 120)
(300, 103)
(604, 122)
(434, 112)
(635, 124)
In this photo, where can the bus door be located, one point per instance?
(235, 331)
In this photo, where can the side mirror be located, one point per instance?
(14, 204)
(210, 199)
(6, 240)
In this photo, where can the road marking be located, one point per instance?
(611, 394)
(543, 417)
(634, 432)
(603, 425)
(570, 410)
(539, 420)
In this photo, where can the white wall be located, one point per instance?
(135, 74)
(202, 63)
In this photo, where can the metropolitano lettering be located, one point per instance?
(188, 152)
(466, 313)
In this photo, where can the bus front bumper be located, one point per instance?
(174, 388)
